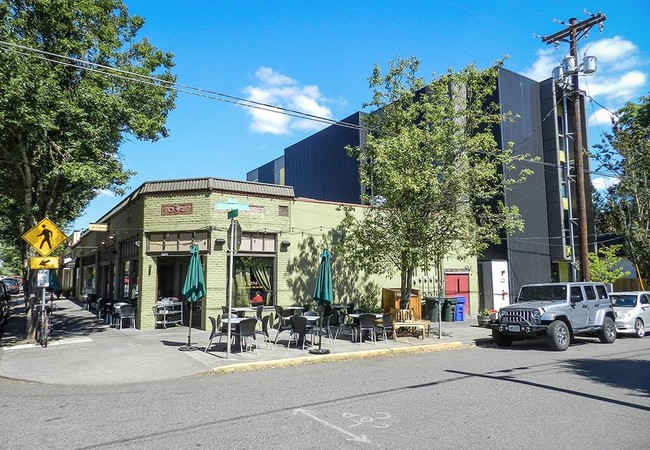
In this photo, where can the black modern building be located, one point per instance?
(319, 167)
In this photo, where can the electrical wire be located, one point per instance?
(215, 95)
(177, 87)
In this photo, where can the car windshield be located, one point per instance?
(542, 293)
(623, 300)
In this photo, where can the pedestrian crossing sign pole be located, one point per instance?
(45, 237)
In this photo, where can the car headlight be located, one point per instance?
(500, 314)
(536, 314)
(623, 315)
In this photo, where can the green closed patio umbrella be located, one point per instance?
(323, 291)
(193, 289)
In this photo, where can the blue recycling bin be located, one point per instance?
(459, 313)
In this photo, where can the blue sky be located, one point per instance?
(315, 56)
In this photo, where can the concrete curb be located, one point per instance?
(335, 357)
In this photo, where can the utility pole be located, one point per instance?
(573, 33)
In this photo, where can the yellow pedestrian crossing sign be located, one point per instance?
(45, 237)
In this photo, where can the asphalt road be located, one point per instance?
(592, 396)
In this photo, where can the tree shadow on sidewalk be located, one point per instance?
(67, 321)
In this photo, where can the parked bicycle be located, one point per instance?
(44, 323)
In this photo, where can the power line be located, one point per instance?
(215, 95)
(178, 87)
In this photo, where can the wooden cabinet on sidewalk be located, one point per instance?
(390, 299)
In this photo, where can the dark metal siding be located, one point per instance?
(319, 167)
(265, 173)
(528, 251)
(556, 217)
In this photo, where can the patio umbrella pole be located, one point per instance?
(189, 347)
(323, 295)
(319, 350)
(193, 290)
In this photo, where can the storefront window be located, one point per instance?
(89, 280)
(253, 274)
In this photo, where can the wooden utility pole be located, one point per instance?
(574, 32)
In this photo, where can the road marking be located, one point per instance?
(79, 340)
(353, 437)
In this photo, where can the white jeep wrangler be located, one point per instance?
(559, 311)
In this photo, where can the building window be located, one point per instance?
(283, 211)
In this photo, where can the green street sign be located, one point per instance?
(233, 213)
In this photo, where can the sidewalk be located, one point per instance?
(85, 351)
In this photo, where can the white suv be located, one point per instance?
(558, 311)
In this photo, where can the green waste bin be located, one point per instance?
(431, 308)
(448, 307)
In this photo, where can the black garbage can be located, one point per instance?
(448, 308)
(432, 305)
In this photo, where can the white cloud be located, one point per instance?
(543, 66)
(104, 193)
(616, 52)
(602, 183)
(619, 78)
(276, 89)
(600, 118)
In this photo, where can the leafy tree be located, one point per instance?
(10, 260)
(625, 151)
(606, 269)
(434, 170)
(61, 125)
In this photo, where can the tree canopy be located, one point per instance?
(625, 152)
(433, 170)
(65, 110)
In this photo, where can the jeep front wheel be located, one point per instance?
(607, 333)
(558, 336)
(501, 339)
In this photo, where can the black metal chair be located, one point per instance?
(366, 323)
(126, 312)
(283, 318)
(298, 330)
(247, 330)
(266, 321)
(387, 326)
(325, 329)
(216, 331)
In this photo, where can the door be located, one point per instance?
(579, 310)
(457, 285)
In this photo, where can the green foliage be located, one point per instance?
(434, 171)
(625, 152)
(11, 263)
(61, 126)
(606, 267)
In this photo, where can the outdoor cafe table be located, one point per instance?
(339, 306)
(357, 315)
(243, 310)
(295, 309)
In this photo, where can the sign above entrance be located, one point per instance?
(97, 227)
(45, 237)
